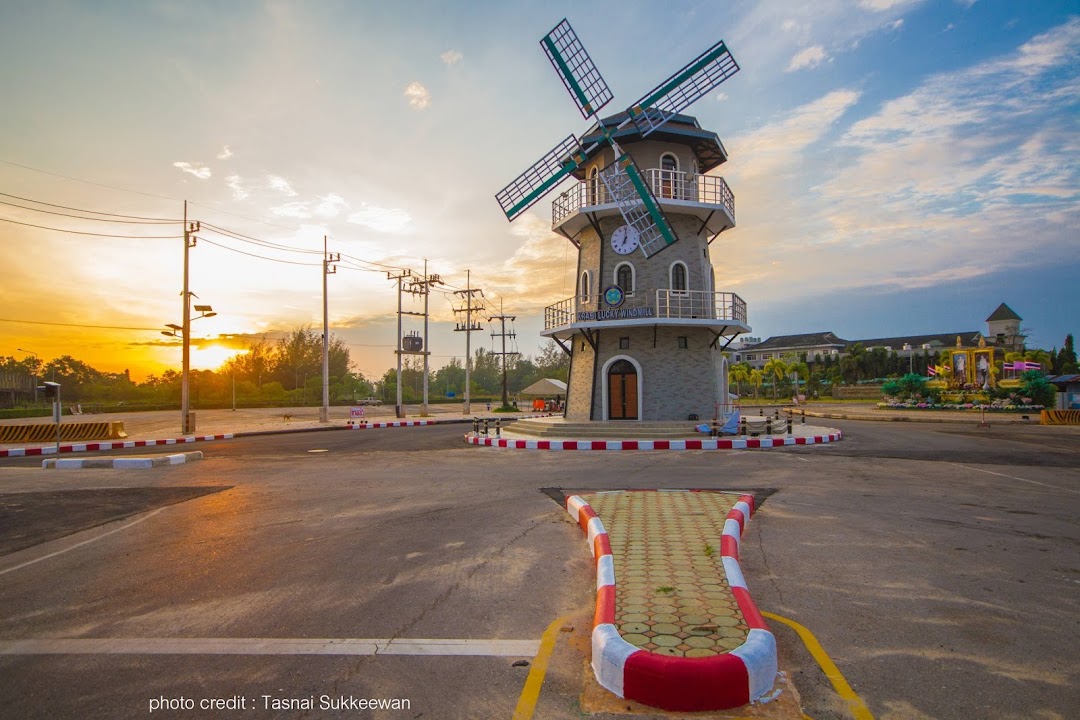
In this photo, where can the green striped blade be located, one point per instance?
(531, 185)
(576, 69)
(683, 89)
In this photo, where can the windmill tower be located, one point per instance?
(646, 327)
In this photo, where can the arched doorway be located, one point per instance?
(622, 391)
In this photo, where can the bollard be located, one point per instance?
(498, 427)
(789, 426)
(803, 417)
(776, 416)
(485, 427)
(715, 429)
(742, 428)
(761, 411)
(768, 426)
(476, 426)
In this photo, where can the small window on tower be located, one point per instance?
(624, 343)
(684, 343)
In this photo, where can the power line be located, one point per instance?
(88, 182)
(83, 210)
(81, 325)
(257, 241)
(84, 217)
(261, 257)
(108, 235)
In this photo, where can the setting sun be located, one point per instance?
(212, 357)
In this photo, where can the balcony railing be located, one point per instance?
(656, 306)
(665, 185)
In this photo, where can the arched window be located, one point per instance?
(594, 186)
(624, 277)
(678, 276)
(584, 289)
(669, 172)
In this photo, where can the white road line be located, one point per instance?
(269, 646)
(84, 542)
(1013, 477)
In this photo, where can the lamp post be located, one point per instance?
(184, 332)
(911, 358)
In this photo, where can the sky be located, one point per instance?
(899, 166)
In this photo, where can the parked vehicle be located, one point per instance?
(370, 401)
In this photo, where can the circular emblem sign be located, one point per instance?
(614, 296)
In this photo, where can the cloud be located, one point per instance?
(539, 273)
(330, 206)
(293, 210)
(720, 97)
(197, 169)
(281, 185)
(418, 95)
(451, 57)
(388, 220)
(883, 5)
(236, 185)
(777, 147)
(225, 153)
(896, 24)
(809, 57)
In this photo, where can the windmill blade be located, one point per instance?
(637, 205)
(576, 69)
(545, 174)
(683, 89)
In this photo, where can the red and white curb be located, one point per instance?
(710, 444)
(719, 682)
(392, 423)
(91, 447)
(125, 463)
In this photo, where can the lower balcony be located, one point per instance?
(723, 313)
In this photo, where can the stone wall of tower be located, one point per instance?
(676, 382)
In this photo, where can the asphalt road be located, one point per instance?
(937, 566)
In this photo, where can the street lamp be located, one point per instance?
(184, 332)
(911, 358)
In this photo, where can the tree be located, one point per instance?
(756, 379)
(552, 362)
(1034, 385)
(739, 373)
(777, 369)
(1067, 362)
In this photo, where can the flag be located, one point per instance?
(1032, 366)
(931, 371)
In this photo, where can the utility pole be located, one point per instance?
(468, 328)
(423, 287)
(185, 395)
(328, 269)
(399, 411)
(503, 334)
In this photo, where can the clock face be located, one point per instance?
(624, 240)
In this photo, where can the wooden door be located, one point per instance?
(622, 391)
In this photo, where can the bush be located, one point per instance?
(1034, 385)
(909, 386)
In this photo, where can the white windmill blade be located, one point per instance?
(576, 69)
(683, 89)
(528, 187)
(638, 206)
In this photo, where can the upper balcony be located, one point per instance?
(706, 197)
(723, 313)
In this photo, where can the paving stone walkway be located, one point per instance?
(672, 595)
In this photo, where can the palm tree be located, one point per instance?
(755, 379)
(778, 369)
(739, 374)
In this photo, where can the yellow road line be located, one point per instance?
(530, 694)
(856, 706)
